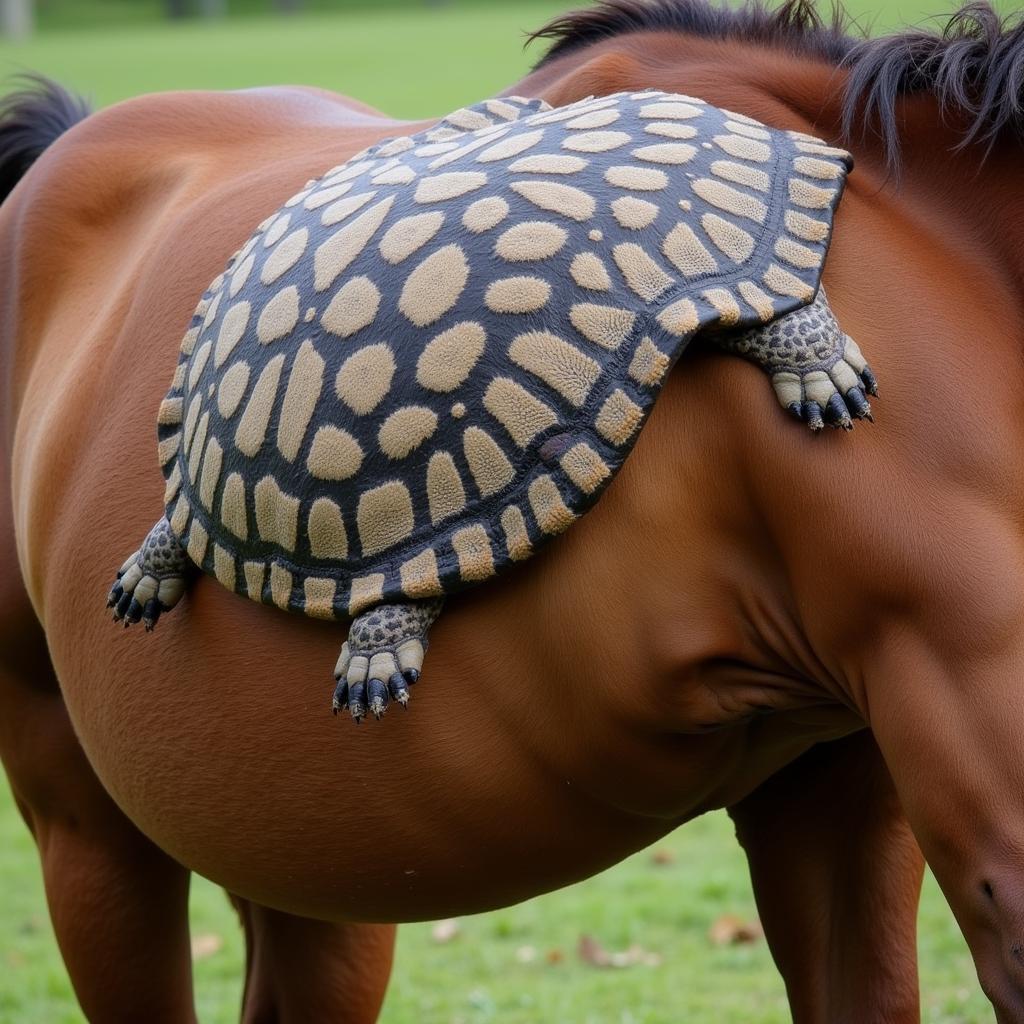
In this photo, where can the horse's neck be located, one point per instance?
(956, 196)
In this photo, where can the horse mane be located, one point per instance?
(974, 66)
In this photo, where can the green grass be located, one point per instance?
(480, 976)
(410, 61)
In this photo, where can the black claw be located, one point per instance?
(812, 414)
(377, 693)
(151, 613)
(837, 414)
(796, 410)
(122, 606)
(357, 700)
(134, 612)
(115, 594)
(399, 691)
(869, 381)
(858, 404)
(340, 696)
(411, 675)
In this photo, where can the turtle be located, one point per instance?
(434, 358)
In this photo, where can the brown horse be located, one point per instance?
(824, 635)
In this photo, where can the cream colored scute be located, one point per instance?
(365, 378)
(384, 517)
(445, 492)
(407, 235)
(485, 214)
(520, 294)
(334, 454)
(405, 430)
(326, 529)
(434, 286)
(607, 326)
(305, 383)
(449, 358)
(558, 364)
(252, 427)
(531, 240)
(279, 316)
(489, 465)
(557, 197)
(519, 412)
(277, 513)
(353, 307)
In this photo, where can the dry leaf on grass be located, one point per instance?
(206, 945)
(445, 931)
(663, 857)
(730, 930)
(591, 952)
(554, 957)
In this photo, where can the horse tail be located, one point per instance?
(31, 119)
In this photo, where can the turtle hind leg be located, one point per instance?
(383, 656)
(152, 580)
(818, 372)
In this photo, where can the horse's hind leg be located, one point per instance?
(299, 970)
(118, 904)
(837, 876)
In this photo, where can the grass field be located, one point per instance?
(517, 966)
(410, 62)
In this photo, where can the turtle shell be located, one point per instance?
(436, 356)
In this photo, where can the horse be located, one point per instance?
(824, 635)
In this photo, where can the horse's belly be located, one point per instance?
(214, 734)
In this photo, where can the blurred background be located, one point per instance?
(411, 58)
(669, 935)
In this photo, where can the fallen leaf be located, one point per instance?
(206, 945)
(663, 857)
(731, 930)
(591, 952)
(526, 954)
(554, 956)
(445, 931)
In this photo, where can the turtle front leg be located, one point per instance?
(817, 371)
(152, 580)
(383, 656)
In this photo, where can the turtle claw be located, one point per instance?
(151, 581)
(398, 689)
(812, 416)
(382, 658)
(837, 414)
(837, 397)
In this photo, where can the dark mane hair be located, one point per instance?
(974, 66)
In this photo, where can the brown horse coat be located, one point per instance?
(742, 593)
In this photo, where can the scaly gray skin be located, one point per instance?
(817, 371)
(383, 656)
(152, 580)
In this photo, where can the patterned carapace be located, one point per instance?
(436, 356)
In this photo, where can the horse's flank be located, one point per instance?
(741, 593)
